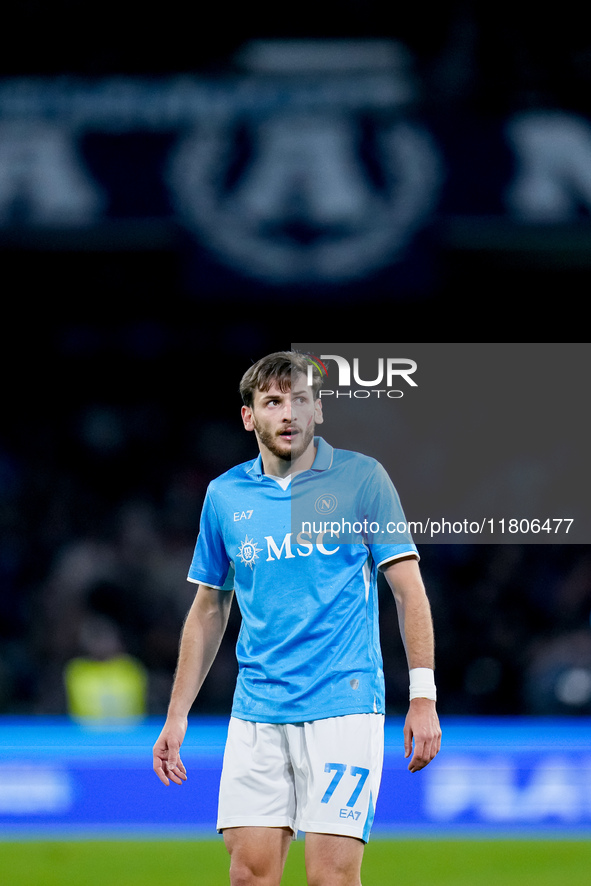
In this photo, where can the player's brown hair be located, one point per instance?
(278, 367)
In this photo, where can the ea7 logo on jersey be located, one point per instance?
(242, 515)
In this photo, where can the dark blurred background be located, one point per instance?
(182, 192)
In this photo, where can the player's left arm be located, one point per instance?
(416, 627)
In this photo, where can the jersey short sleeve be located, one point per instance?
(388, 533)
(211, 564)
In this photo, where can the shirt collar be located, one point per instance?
(324, 455)
(256, 468)
(322, 462)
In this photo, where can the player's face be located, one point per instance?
(284, 421)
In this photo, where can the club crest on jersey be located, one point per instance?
(248, 552)
(326, 503)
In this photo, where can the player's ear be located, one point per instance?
(247, 418)
(318, 416)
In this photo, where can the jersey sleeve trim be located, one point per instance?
(208, 584)
(401, 556)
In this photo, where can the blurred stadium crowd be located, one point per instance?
(101, 497)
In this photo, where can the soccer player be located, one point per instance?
(299, 534)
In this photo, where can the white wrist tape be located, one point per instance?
(422, 683)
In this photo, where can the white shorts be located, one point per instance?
(322, 776)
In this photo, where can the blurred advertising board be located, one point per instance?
(492, 777)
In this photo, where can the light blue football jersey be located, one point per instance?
(303, 562)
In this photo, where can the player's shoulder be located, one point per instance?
(361, 470)
(350, 458)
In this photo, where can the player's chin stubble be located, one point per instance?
(270, 440)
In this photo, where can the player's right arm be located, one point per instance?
(200, 640)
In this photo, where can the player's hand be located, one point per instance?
(421, 727)
(168, 765)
